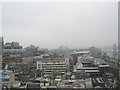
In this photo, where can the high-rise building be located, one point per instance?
(114, 50)
(1, 49)
(1, 44)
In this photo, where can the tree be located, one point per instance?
(82, 76)
(23, 77)
(32, 75)
(56, 73)
(39, 73)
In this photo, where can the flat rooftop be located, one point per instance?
(81, 52)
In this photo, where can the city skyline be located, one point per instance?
(52, 24)
(57, 44)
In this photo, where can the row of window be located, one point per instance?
(55, 66)
(51, 64)
(54, 69)
(87, 69)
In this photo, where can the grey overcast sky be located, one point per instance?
(51, 24)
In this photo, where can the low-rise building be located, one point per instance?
(92, 67)
(76, 54)
(7, 78)
(52, 65)
(12, 45)
(14, 55)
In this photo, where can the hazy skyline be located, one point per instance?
(52, 24)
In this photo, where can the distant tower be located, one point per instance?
(1, 49)
(114, 50)
(1, 41)
(1, 45)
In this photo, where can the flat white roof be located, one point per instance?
(87, 68)
(104, 65)
(84, 52)
(91, 70)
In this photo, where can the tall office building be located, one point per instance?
(1, 44)
(114, 50)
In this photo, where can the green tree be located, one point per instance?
(82, 76)
(39, 73)
(56, 73)
(23, 77)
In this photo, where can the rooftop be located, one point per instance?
(81, 52)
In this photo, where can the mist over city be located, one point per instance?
(59, 45)
(51, 24)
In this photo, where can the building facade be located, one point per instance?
(91, 66)
(12, 45)
(51, 65)
(76, 54)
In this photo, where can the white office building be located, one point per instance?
(51, 65)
